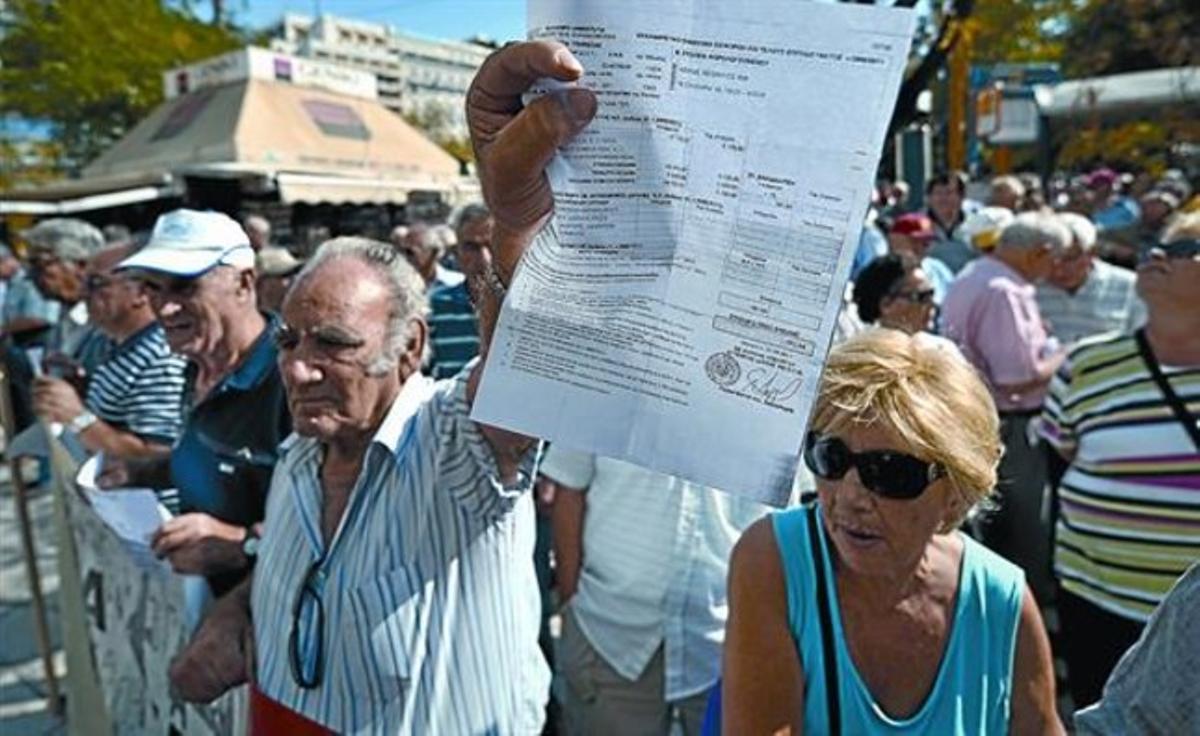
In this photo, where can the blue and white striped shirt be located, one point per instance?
(140, 387)
(431, 606)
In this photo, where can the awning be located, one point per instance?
(315, 145)
(338, 190)
(89, 202)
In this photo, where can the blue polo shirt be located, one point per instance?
(224, 458)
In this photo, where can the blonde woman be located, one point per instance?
(868, 612)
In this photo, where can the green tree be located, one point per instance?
(437, 122)
(1019, 30)
(1116, 36)
(93, 69)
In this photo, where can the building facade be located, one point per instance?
(422, 77)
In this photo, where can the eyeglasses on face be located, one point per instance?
(886, 473)
(920, 296)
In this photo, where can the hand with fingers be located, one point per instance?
(55, 400)
(220, 655)
(514, 142)
(199, 544)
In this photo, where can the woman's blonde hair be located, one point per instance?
(928, 395)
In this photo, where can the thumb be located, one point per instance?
(517, 185)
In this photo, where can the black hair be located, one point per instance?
(957, 178)
(875, 282)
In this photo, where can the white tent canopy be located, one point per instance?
(309, 144)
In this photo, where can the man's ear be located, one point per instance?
(415, 349)
(246, 280)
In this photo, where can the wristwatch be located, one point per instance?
(250, 543)
(82, 422)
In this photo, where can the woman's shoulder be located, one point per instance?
(996, 575)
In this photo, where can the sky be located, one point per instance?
(502, 20)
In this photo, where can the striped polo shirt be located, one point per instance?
(1107, 302)
(139, 388)
(1129, 522)
(453, 329)
(429, 607)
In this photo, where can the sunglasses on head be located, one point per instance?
(886, 473)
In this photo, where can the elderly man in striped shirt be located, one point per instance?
(133, 405)
(395, 590)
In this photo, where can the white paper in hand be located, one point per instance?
(678, 311)
(133, 513)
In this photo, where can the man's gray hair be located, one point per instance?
(1082, 229)
(1011, 182)
(258, 224)
(428, 237)
(1033, 230)
(406, 285)
(66, 238)
(470, 215)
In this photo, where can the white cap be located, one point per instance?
(982, 227)
(189, 243)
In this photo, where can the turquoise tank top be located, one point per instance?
(972, 692)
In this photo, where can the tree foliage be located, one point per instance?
(1017, 31)
(93, 69)
(437, 121)
(1116, 36)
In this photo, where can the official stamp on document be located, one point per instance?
(723, 369)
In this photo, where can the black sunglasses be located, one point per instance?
(923, 296)
(884, 472)
(308, 673)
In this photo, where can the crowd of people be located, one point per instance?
(1007, 424)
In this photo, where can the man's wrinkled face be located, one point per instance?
(475, 246)
(334, 332)
(111, 297)
(57, 278)
(422, 258)
(194, 312)
(1071, 267)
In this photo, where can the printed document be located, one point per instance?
(677, 311)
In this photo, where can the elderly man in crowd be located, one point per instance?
(59, 250)
(198, 271)
(1007, 192)
(276, 267)
(258, 230)
(395, 591)
(423, 245)
(133, 402)
(1084, 295)
(642, 560)
(992, 314)
(453, 332)
(25, 320)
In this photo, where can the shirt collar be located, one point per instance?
(415, 392)
(445, 277)
(1003, 269)
(259, 362)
